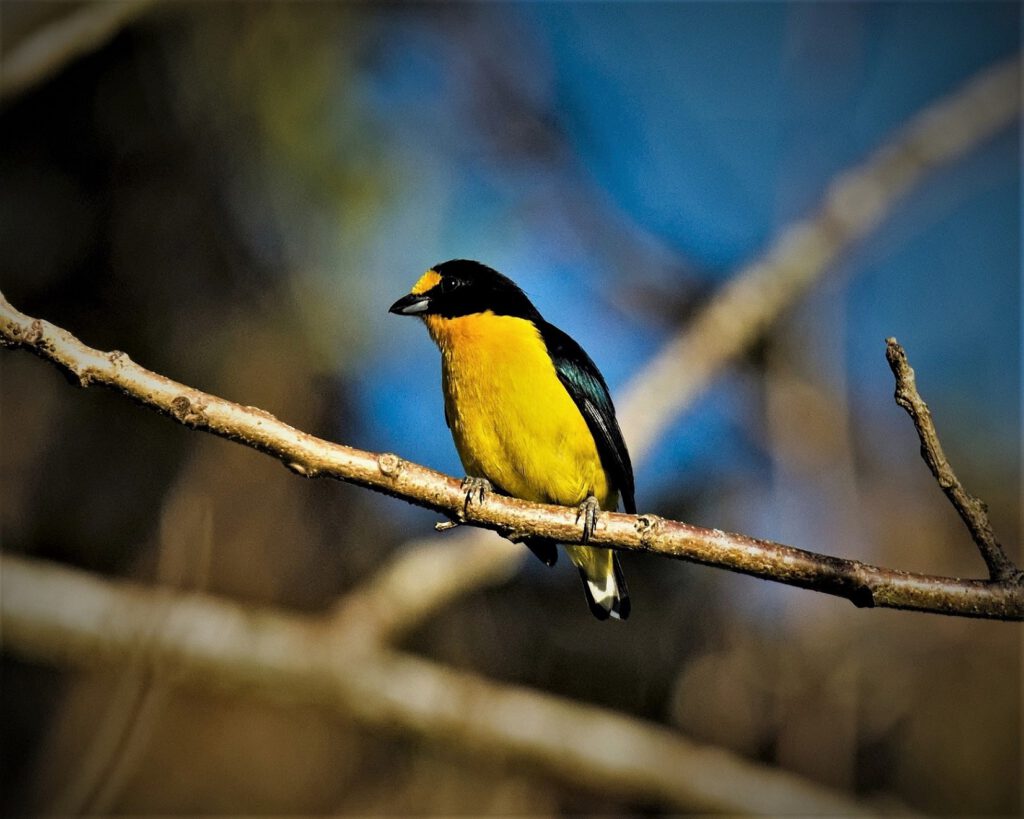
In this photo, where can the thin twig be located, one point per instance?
(863, 584)
(972, 510)
(66, 616)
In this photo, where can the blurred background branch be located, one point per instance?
(856, 201)
(424, 577)
(66, 31)
(128, 719)
(54, 614)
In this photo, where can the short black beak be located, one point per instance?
(410, 305)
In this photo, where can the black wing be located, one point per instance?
(581, 378)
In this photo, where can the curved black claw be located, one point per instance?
(476, 490)
(588, 511)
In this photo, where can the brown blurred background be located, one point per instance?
(221, 191)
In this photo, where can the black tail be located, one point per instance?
(607, 596)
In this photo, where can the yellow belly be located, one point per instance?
(512, 420)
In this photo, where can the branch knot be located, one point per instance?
(35, 332)
(118, 359)
(390, 465)
(188, 413)
(648, 527)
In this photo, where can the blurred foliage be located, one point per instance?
(233, 193)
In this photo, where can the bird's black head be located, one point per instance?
(462, 287)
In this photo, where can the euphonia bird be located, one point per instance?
(528, 410)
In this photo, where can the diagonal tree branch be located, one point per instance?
(857, 200)
(862, 583)
(56, 614)
(77, 32)
(421, 579)
(972, 510)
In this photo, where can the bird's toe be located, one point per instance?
(588, 512)
(476, 490)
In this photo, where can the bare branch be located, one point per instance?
(65, 616)
(423, 578)
(855, 202)
(972, 510)
(864, 584)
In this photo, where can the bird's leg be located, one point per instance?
(476, 490)
(445, 525)
(588, 511)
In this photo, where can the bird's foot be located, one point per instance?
(445, 525)
(588, 511)
(476, 490)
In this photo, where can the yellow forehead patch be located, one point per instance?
(426, 281)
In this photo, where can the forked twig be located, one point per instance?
(972, 510)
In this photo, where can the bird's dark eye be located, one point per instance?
(450, 283)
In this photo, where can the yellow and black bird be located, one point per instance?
(528, 410)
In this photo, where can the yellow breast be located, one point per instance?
(512, 420)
